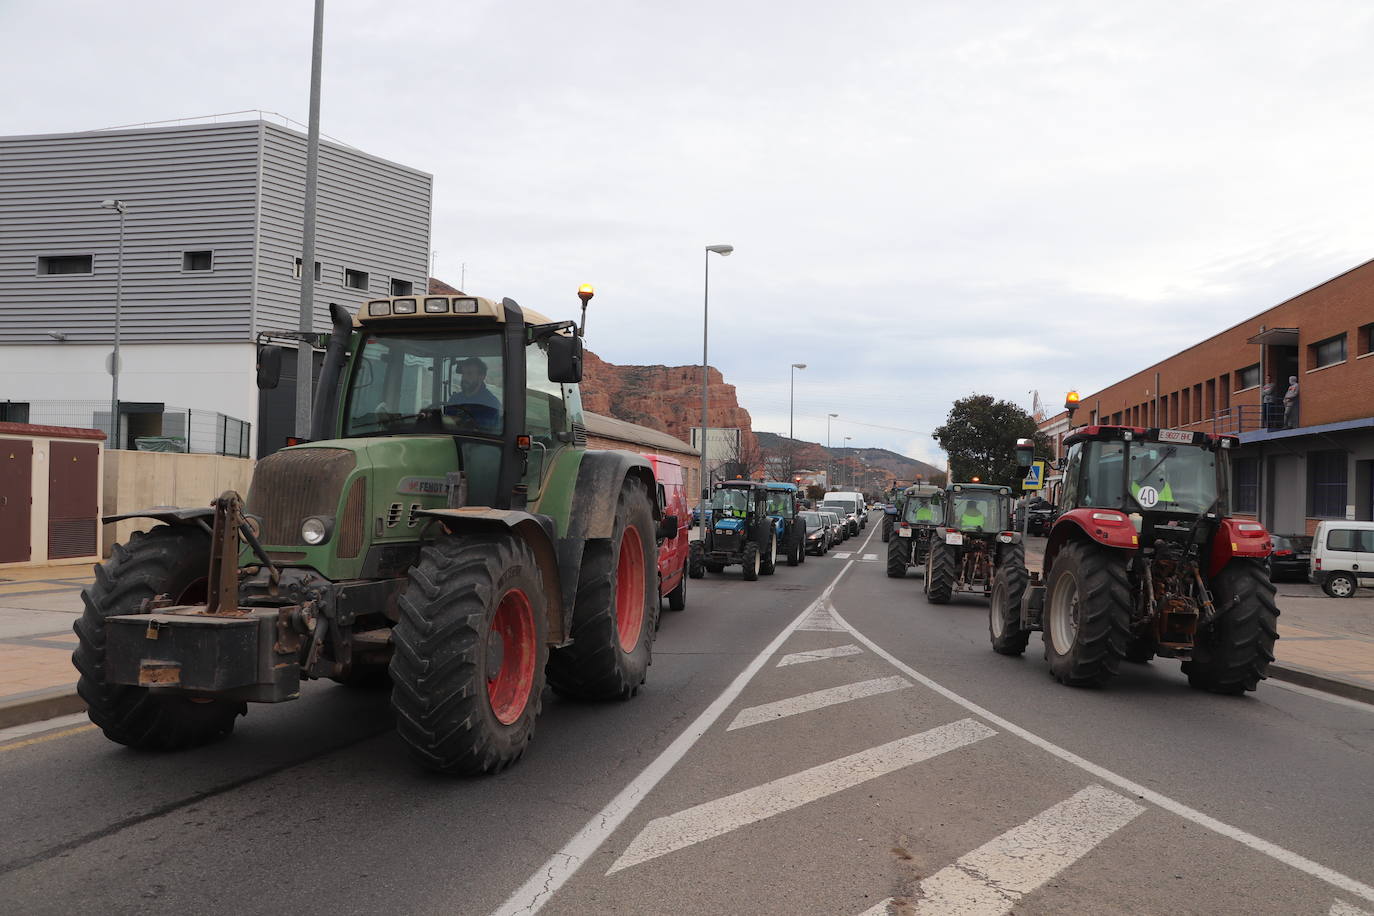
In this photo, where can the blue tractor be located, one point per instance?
(790, 531)
(738, 530)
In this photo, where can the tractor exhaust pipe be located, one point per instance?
(326, 392)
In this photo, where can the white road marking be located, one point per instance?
(815, 655)
(1320, 695)
(711, 819)
(870, 556)
(76, 718)
(540, 887)
(1273, 850)
(817, 699)
(993, 878)
(820, 621)
(1341, 908)
(843, 555)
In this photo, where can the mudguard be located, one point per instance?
(168, 515)
(1108, 527)
(1238, 537)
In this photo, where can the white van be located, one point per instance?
(853, 504)
(1343, 557)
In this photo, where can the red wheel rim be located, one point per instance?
(510, 644)
(629, 589)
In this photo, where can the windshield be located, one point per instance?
(923, 510)
(813, 520)
(1160, 477)
(978, 510)
(435, 383)
(839, 507)
(728, 503)
(780, 503)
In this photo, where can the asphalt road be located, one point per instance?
(821, 741)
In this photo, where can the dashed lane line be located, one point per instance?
(870, 556)
(1273, 850)
(817, 699)
(816, 655)
(722, 815)
(843, 555)
(993, 878)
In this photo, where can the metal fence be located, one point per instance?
(143, 426)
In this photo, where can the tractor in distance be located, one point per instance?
(922, 514)
(446, 531)
(1144, 560)
(739, 532)
(974, 540)
(790, 530)
(892, 509)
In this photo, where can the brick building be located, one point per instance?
(1290, 471)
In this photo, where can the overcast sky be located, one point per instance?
(927, 199)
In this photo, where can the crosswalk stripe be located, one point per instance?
(711, 819)
(815, 655)
(870, 556)
(994, 877)
(1341, 908)
(817, 699)
(843, 555)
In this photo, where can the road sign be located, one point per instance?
(1035, 477)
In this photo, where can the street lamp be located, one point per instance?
(123, 208)
(851, 466)
(723, 251)
(792, 399)
(830, 465)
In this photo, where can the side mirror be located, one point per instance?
(1025, 453)
(565, 359)
(269, 367)
(667, 528)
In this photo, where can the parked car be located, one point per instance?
(839, 528)
(672, 547)
(1343, 557)
(1291, 556)
(848, 512)
(818, 533)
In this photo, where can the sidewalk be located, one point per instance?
(37, 609)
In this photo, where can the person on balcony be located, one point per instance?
(1290, 403)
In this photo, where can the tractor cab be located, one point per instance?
(791, 531)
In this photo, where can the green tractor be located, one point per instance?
(922, 512)
(973, 542)
(447, 530)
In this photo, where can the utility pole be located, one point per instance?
(305, 352)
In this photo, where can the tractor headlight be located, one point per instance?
(315, 530)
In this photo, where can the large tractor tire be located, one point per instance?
(696, 565)
(467, 671)
(768, 557)
(887, 528)
(677, 598)
(1087, 615)
(617, 602)
(796, 549)
(751, 562)
(941, 563)
(1004, 610)
(1233, 655)
(898, 557)
(167, 560)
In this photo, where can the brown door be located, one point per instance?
(72, 511)
(16, 499)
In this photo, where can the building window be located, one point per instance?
(1326, 473)
(355, 279)
(319, 272)
(1326, 352)
(49, 265)
(14, 412)
(401, 287)
(1245, 484)
(1365, 339)
(1249, 377)
(197, 260)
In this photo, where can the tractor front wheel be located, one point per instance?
(617, 600)
(167, 560)
(1087, 615)
(1004, 611)
(940, 567)
(470, 645)
(1233, 655)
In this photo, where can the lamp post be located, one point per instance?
(723, 251)
(830, 466)
(122, 208)
(305, 318)
(851, 466)
(792, 400)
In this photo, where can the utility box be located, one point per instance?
(50, 494)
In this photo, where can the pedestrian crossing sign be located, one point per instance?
(1035, 477)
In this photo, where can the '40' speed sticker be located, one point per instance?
(1147, 497)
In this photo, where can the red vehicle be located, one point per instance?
(672, 552)
(1145, 560)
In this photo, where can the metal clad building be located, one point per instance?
(211, 256)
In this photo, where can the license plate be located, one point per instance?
(954, 537)
(904, 532)
(1176, 435)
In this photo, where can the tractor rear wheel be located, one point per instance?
(696, 565)
(796, 549)
(1004, 611)
(768, 557)
(167, 560)
(751, 562)
(1233, 656)
(887, 528)
(898, 557)
(1087, 615)
(940, 566)
(617, 602)
(467, 672)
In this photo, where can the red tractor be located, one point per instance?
(1142, 561)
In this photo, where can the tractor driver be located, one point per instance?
(973, 515)
(473, 404)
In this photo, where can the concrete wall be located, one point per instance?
(141, 480)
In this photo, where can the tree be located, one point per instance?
(980, 434)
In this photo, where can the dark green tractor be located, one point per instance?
(447, 531)
(974, 540)
(917, 526)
